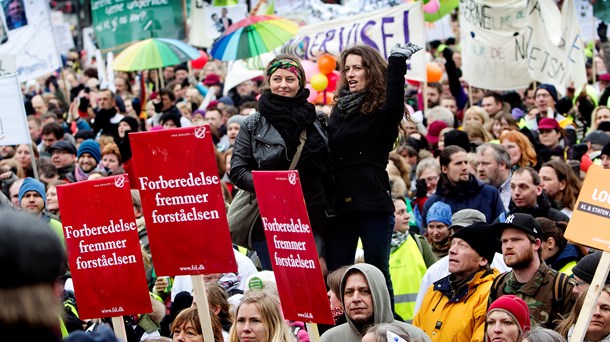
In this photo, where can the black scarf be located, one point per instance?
(288, 115)
(349, 103)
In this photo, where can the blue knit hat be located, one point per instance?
(30, 184)
(439, 212)
(92, 147)
(550, 88)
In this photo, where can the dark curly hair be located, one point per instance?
(375, 67)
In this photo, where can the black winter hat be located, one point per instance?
(132, 122)
(585, 269)
(458, 138)
(170, 116)
(30, 251)
(480, 237)
(606, 149)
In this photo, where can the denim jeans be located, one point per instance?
(375, 231)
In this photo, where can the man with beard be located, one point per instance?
(547, 293)
(493, 168)
(528, 197)
(87, 159)
(461, 190)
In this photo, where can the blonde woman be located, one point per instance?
(259, 319)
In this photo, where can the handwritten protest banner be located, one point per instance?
(118, 23)
(380, 30)
(31, 38)
(182, 201)
(104, 250)
(506, 44)
(294, 257)
(489, 31)
(555, 50)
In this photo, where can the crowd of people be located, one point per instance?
(438, 210)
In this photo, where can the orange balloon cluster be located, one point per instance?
(324, 82)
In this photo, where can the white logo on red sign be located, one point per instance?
(200, 132)
(292, 178)
(119, 182)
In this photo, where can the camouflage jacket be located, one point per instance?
(547, 296)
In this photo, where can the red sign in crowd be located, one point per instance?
(293, 252)
(182, 201)
(104, 252)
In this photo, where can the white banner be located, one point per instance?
(559, 60)
(493, 46)
(380, 30)
(507, 43)
(30, 36)
(13, 123)
(210, 22)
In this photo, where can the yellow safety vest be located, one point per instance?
(567, 268)
(407, 269)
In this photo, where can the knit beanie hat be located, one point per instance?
(31, 184)
(30, 252)
(550, 88)
(439, 212)
(239, 119)
(480, 238)
(170, 116)
(585, 269)
(264, 280)
(458, 138)
(132, 122)
(92, 147)
(514, 307)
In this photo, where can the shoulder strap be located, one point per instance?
(297, 155)
(559, 290)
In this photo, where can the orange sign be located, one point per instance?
(589, 223)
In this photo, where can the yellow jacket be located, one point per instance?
(461, 317)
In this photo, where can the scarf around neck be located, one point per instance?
(398, 239)
(288, 115)
(349, 103)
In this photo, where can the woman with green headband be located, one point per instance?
(363, 127)
(269, 140)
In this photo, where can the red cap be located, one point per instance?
(515, 307)
(548, 123)
(434, 130)
(604, 77)
(211, 79)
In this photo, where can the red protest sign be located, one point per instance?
(291, 246)
(182, 201)
(104, 251)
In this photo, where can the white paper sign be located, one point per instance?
(13, 121)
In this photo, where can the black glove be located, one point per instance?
(602, 32)
(421, 188)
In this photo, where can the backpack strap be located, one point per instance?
(559, 290)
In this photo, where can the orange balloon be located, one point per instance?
(326, 64)
(322, 100)
(433, 72)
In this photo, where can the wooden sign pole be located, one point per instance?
(312, 330)
(119, 328)
(599, 279)
(201, 297)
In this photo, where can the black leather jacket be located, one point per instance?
(259, 146)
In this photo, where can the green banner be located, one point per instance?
(118, 22)
(601, 10)
(446, 6)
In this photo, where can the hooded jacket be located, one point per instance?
(460, 316)
(543, 209)
(348, 332)
(473, 194)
